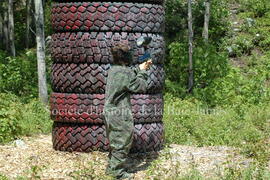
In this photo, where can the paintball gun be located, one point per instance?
(144, 42)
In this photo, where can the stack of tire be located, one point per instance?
(84, 32)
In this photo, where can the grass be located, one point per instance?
(191, 123)
(3, 177)
(188, 122)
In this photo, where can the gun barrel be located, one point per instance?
(145, 57)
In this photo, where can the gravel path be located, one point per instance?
(37, 159)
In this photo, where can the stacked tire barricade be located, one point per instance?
(84, 33)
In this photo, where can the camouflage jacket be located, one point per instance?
(121, 82)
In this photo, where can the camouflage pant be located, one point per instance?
(119, 129)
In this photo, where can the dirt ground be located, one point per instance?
(36, 159)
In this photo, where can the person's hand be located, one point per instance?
(145, 65)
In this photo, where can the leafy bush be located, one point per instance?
(209, 65)
(9, 117)
(48, 18)
(18, 119)
(246, 86)
(18, 75)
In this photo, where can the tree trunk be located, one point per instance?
(190, 70)
(40, 38)
(5, 25)
(205, 34)
(11, 28)
(28, 23)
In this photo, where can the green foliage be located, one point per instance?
(254, 29)
(9, 117)
(48, 19)
(36, 118)
(20, 19)
(176, 19)
(261, 32)
(217, 82)
(241, 44)
(238, 87)
(3, 177)
(20, 26)
(230, 102)
(254, 171)
(18, 75)
(19, 119)
(34, 171)
(191, 122)
(258, 7)
(209, 66)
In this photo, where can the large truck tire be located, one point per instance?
(138, 1)
(87, 137)
(79, 78)
(148, 138)
(81, 138)
(88, 108)
(107, 16)
(91, 78)
(94, 47)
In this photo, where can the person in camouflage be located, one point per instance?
(121, 82)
